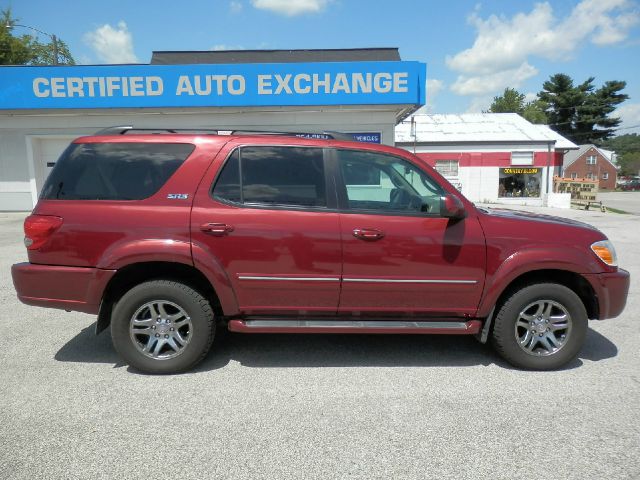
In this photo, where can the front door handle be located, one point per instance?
(217, 229)
(369, 234)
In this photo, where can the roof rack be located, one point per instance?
(124, 129)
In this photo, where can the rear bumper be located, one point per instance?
(67, 288)
(611, 290)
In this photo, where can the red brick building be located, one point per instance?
(592, 163)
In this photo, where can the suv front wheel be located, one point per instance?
(162, 326)
(540, 327)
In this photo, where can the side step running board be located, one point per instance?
(347, 326)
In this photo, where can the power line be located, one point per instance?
(575, 107)
(588, 134)
(629, 128)
(594, 122)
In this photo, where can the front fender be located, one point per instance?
(531, 260)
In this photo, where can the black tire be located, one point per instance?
(506, 337)
(194, 323)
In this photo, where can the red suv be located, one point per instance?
(167, 236)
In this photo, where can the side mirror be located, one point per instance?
(452, 207)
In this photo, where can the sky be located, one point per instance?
(473, 50)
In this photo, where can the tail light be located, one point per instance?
(38, 229)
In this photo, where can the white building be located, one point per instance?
(491, 157)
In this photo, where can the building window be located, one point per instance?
(591, 160)
(521, 158)
(605, 176)
(590, 176)
(519, 182)
(447, 168)
(574, 176)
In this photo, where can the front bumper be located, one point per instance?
(67, 288)
(611, 290)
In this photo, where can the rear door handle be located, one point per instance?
(369, 234)
(217, 229)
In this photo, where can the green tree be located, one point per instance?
(44, 53)
(27, 49)
(629, 163)
(13, 50)
(622, 144)
(512, 101)
(581, 112)
(535, 112)
(627, 148)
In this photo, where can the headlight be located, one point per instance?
(605, 252)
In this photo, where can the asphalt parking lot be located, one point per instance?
(625, 201)
(325, 407)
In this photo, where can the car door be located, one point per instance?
(265, 214)
(400, 256)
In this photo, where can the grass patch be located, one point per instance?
(616, 210)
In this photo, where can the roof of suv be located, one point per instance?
(128, 134)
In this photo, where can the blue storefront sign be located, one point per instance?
(369, 137)
(237, 85)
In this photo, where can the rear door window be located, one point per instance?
(114, 171)
(273, 176)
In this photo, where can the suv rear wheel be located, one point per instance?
(540, 327)
(162, 326)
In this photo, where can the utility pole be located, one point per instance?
(54, 39)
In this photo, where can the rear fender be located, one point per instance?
(122, 254)
(210, 266)
(173, 251)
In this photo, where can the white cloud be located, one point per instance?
(84, 60)
(434, 87)
(503, 45)
(223, 46)
(112, 45)
(479, 104)
(630, 115)
(493, 82)
(235, 6)
(291, 8)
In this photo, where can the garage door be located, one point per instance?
(46, 151)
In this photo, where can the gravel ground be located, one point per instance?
(325, 407)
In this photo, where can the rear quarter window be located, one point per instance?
(113, 171)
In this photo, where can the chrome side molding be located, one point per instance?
(279, 325)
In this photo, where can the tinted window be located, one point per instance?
(385, 183)
(228, 185)
(287, 176)
(113, 171)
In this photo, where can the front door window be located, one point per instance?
(383, 183)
